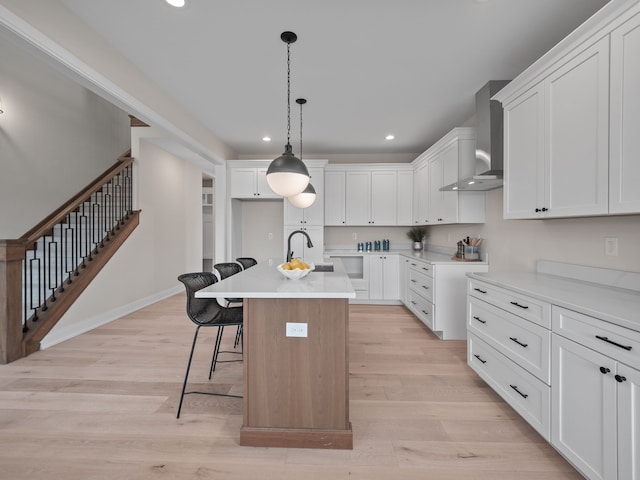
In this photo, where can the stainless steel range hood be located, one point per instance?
(488, 142)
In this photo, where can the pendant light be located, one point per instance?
(287, 175)
(308, 195)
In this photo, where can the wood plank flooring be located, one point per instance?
(103, 405)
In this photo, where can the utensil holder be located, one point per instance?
(471, 252)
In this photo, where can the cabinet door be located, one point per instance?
(628, 422)
(624, 174)
(421, 195)
(404, 208)
(358, 198)
(449, 200)
(384, 198)
(583, 409)
(384, 276)
(314, 214)
(334, 204)
(242, 183)
(576, 170)
(436, 169)
(524, 155)
(262, 187)
(403, 271)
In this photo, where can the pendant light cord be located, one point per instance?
(288, 93)
(300, 130)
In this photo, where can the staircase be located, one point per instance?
(44, 272)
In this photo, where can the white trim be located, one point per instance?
(98, 83)
(61, 334)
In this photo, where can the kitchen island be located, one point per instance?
(296, 378)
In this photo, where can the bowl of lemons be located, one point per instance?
(295, 269)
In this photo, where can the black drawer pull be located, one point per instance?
(425, 287)
(425, 269)
(620, 378)
(514, 339)
(413, 303)
(413, 281)
(604, 370)
(479, 319)
(515, 387)
(606, 339)
(518, 305)
(481, 291)
(426, 313)
(478, 357)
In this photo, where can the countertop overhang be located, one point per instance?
(265, 281)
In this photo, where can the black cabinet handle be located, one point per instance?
(604, 370)
(480, 320)
(514, 339)
(544, 209)
(425, 269)
(413, 281)
(413, 303)
(606, 339)
(478, 357)
(481, 291)
(518, 305)
(515, 387)
(426, 313)
(620, 378)
(425, 287)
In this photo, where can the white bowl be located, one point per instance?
(296, 274)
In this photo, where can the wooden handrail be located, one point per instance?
(57, 216)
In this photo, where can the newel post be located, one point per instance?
(11, 254)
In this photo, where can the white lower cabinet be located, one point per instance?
(384, 276)
(575, 378)
(596, 397)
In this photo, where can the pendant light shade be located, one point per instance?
(287, 175)
(308, 195)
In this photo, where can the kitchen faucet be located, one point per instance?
(289, 251)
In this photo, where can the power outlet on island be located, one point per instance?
(296, 329)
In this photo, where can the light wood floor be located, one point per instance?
(103, 405)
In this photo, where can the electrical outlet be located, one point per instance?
(611, 246)
(355, 236)
(296, 329)
(269, 236)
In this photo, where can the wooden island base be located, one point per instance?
(296, 389)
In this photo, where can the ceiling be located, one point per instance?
(368, 68)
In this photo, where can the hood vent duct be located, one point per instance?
(489, 142)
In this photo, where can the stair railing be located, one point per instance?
(55, 254)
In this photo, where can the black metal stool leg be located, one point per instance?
(186, 375)
(216, 350)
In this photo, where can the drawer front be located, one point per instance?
(612, 340)
(533, 310)
(526, 394)
(421, 267)
(421, 283)
(524, 342)
(422, 308)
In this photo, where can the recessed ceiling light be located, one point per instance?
(266, 139)
(389, 137)
(176, 3)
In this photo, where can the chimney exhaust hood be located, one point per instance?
(489, 143)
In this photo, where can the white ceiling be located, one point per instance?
(366, 67)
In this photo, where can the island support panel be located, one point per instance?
(296, 389)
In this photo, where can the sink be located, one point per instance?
(324, 268)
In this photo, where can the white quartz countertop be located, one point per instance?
(265, 281)
(619, 306)
(425, 255)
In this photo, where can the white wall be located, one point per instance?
(167, 242)
(55, 137)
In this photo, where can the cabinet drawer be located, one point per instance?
(612, 340)
(422, 308)
(524, 342)
(533, 310)
(530, 397)
(421, 283)
(421, 267)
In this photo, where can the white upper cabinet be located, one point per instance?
(556, 141)
(335, 201)
(368, 194)
(624, 176)
(571, 123)
(451, 157)
(314, 214)
(249, 182)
